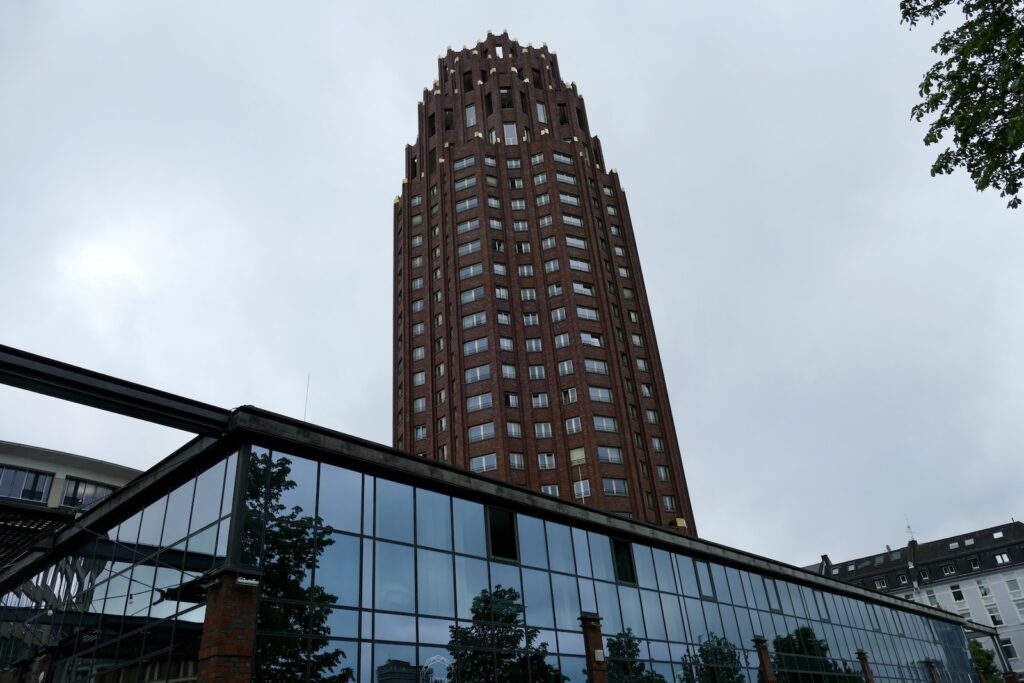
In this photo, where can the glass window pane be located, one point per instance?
(588, 603)
(436, 591)
(337, 571)
(652, 614)
(537, 598)
(342, 623)
(644, 566)
(470, 582)
(394, 511)
(469, 528)
(560, 549)
(735, 586)
(532, 549)
(394, 578)
(179, 507)
(632, 614)
(581, 549)
(721, 585)
(687, 576)
(299, 487)
(152, 526)
(393, 662)
(433, 520)
(506, 576)
(340, 498)
(601, 556)
(695, 619)
(207, 504)
(704, 575)
(229, 484)
(673, 617)
(567, 601)
(663, 567)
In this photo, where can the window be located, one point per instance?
(586, 313)
(623, 271)
(605, 424)
(477, 374)
(467, 226)
(419, 405)
(469, 248)
(569, 396)
(494, 202)
(983, 589)
(551, 266)
(470, 115)
(641, 364)
(545, 221)
(548, 243)
(543, 199)
(609, 454)
(597, 367)
(536, 372)
(562, 158)
(490, 161)
(646, 390)
(508, 371)
(948, 570)
(564, 368)
(481, 432)
(583, 288)
(470, 271)
(514, 429)
(1002, 558)
(567, 198)
(540, 178)
(511, 399)
(578, 265)
(542, 110)
(505, 343)
(417, 305)
(439, 397)
(509, 132)
(501, 533)
(591, 339)
(484, 463)
(613, 211)
(614, 487)
(417, 283)
(975, 564)
(525, 270)
(520, 225)
(504, 318)
(549, 489)
(542, 430)
(637, 339)
(651, 417)
(419, 432)
(478, 402)
(573, 425)
(932, 600)
(531, 319)
(546, 461)
(669, 503)
(522, 247)
(418, 353)
(533, 345)
(470, 295)
(574, 221)
(442, 424)
(619, 251)
(416, 262)
(1008, 649)
(662, 473)
(1013, 585)
(499, 268)
(465, 183)
(515, 461)
(539, 400)
(997, 535)
(501, 292)
(515, 183)
(416, 200)
(923, 574)
(419, 378)
(564, 177)
(513, 162)
(474, 320)
(993, 614)
(958, 594)
(466, 204)
(77, 493)
(537, 159)
(902, 579)
(880, 584)
(558, 314)
(581, 489)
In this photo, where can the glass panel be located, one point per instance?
(608, 607)
(394, 578)
(567, 602)
(152, 526)
(673, 617)
(588, 603)
(340, 498)
(299, 483)
(721, 585)
(652, 614)
(581, 549)
(342, 623)
(469, 528)
(735, 586)
(394, 663)
(179, 507)
(337, 573)
(632, 614)
(433, 520)
(644, 566)
(537, 598)
(207, 504)
(560, 550)
(505, 576)
(663, 568)
(687, 576)
(601, 556)
(532, 549)
(227, 499)
(470, 582)
(394, 511)
(396, 627)
(436, 592)
(695, 618)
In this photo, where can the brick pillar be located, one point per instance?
(764, 660)
(1011, 677)
(865, 666)
(593, 642)
(229, 632)
(933, 673)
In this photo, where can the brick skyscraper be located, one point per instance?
(524, 346)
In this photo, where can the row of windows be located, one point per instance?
(542, 430)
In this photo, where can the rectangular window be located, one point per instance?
(508, 371)
(478, 373)
(609, 454)
(536, 372)
(542, 110)
(542, 430)
(581, 489)
(468, 296)
(569, 396)
(509, 133)
(464, 162)
(539, 400)
(600, 395)
(566, 178)
(669, 503)
(470, 115)
(531, 319)
(549, 489)
(465, 183)
(466, 226)
(545, 222)
(543, 199)
(564, 368)
(958, 594)
(514, 430)
(614, 487)
(562, 158)
(591, 339)
(481, 432)
(537, 159)
(567, 198)
(528, 293)
(574, 221)
(551, 266)
(575, 242)
(474, 320)
(478, 402)
(558, 314)
(466, 204)
(484, 463)
(471, 270)
(515, 461)
(597, 367)
(605, 424)
(622, 558)
(546, 461)
(586, 313)
(1002, 558)
(579, 265)
(573, 425)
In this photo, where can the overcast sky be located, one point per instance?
(199, 198)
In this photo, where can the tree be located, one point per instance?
(623, 661)
(985, 660)
(977, 90)
(716, 661)
(290, 546)
(498, 646)
(801, 657)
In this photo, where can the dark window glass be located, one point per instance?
(581, 550)
(152, 525)
(663, 568)
(537, 598)
(343, 623)
(588, 603)
(502, 533)
(394, 578)
(435, 588)
(207, 504)
(623, 558)
(707, 590)
(735, 586)
(644, 566)
(632, 614)
(652, 614)
(394, 511)
(470, 581)
(531, 541)
(608, 607)
(505, 576)
(687, 576)
(674, 618)
(340, 498)
(721, 584)
(601, 555)
(567, 601)
(695, 619)
(337, 571)
(433, 520)
(299, 489)
(560, 548)
(469, 527)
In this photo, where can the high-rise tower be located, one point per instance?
(524, 346)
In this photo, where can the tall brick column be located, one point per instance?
(1011, 677)
(865, 666)
(764, 660)
(229, 632)
(593, 642)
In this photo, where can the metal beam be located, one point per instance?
(78, 385)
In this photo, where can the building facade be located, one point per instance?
(270, 549)
(42, 489)
(524, 345)
(978, 575)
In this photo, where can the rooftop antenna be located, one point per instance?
(910, 531)
(305, 407)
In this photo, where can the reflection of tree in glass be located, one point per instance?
(623, 664)
(801, 657)
(717, 661)
(985, 660)
(498, 646)
(292, 544)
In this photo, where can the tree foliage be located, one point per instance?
(801, 657)
(977, 91)
(623, 661)
(498, 646)
(985, 660)
(717, 661)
